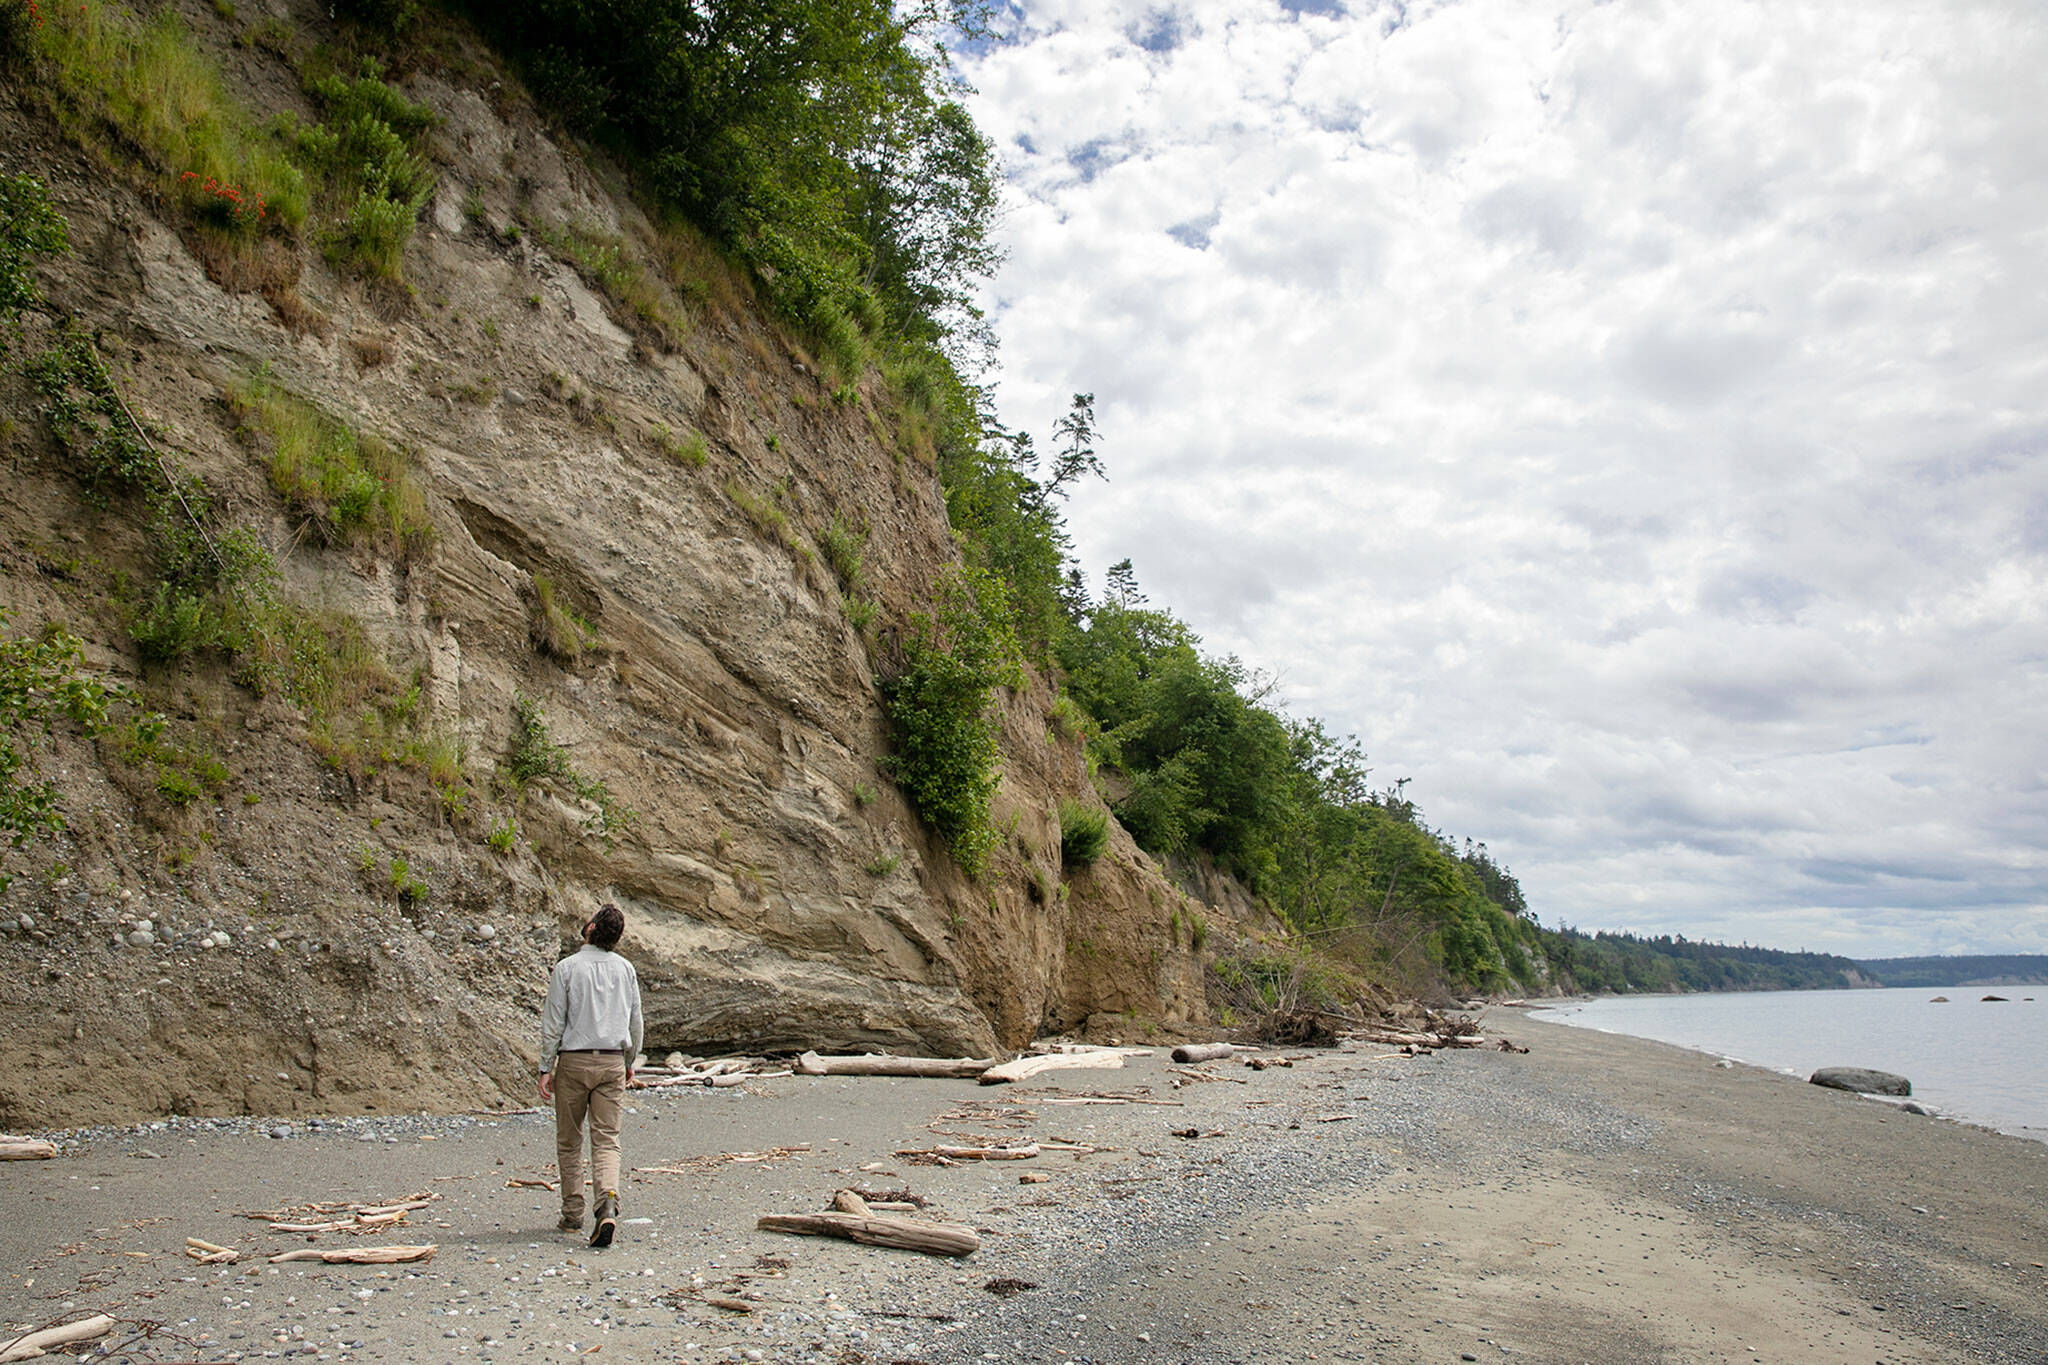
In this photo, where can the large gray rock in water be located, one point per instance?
(1862, 1080)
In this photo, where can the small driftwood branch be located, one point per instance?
(26, 1149)
(516, 1183)
(209, 1253)
(1046, 1049)
(359, 1255)
(854, 1219)
(1023, 1153)
(1202, 1052)
(883, 1064)
(1024, 1068)
(33, 1344)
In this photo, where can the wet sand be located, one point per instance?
(1599, 1199)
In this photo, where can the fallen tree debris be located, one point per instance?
(1008, 1287)
(26, 1149)
(1208, 1076)
(33, 1344)
(700, 1163)
(516, 1183)
(1024, 1068)
(943, 1155)
(391, 1255)
(854, 1220)
(346, 1214)
(884, 1064)
(1202, 1052)
(1033, 1178)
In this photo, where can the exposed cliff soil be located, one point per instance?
(780, 894)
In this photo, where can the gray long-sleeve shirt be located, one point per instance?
(593, 1002)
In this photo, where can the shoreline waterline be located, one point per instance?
(1970, 1058)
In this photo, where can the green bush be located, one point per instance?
(30, 226)
(43, 682)
(533, 756)
(1084, 833)
(946, 751)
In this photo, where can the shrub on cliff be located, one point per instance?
(946, 750)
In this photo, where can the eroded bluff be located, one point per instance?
(357, 911)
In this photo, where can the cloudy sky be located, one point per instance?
(1628, 418)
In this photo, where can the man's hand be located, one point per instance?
(629, 1075)
(547, 1087)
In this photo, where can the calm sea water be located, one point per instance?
(1987, 1063)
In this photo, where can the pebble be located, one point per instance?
(281, 1131)
(486, 932)
(142, 938)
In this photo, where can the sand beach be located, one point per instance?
(1597, 1199)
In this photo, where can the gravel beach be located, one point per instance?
(1598, 1199)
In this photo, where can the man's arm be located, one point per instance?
(634, 1043)
(554, 1017)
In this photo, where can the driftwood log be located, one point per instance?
(882, 1064)
(33, 1344)
(1202, 1052)
(1410, 1038)
(358, 1255)
(854, 1220)
(1023, 1153)
(26, 1149)
(1024, 1068)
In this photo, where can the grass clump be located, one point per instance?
(767, 515)
(558, 629)
(602, 259)
(691, 450)
(348, 484)
(1084, 834)
(844, 544)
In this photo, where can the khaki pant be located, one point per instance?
(588, 1085)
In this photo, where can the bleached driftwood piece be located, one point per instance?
(26, 1149)
(1202, 1052)
(33, 1344)
(1024, 1068)
(209, 1253)
(854, 1220)
(358, 1255)
(883, 1064)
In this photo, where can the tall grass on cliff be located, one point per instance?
(348, 484)
(124, 86)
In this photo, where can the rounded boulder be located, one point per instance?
(1862, 1080)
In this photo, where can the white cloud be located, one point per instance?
(1630, 419)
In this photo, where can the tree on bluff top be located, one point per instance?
(819, 138)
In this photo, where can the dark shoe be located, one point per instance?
(570, 1222)
(607, 1219)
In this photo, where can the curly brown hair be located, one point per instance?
(607, 927)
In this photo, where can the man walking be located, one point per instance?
(590, 1038)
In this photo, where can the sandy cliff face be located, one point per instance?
(780, 893)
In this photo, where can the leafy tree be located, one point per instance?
(1076, 455)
